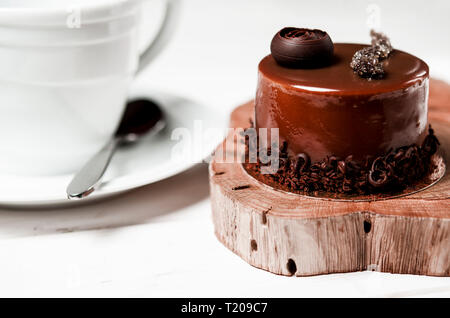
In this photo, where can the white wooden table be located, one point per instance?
(158, 240)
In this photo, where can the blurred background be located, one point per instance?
(218, 44)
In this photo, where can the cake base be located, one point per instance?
(291, 234)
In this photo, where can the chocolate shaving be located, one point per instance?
(242, 187)
(391, 172)
(302, 163)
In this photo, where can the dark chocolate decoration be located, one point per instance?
(391, 172)
(381, 43)
(367, 61)
(302, 163)
(301, 48)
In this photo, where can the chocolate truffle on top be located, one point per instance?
(301, 48)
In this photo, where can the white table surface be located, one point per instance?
(158, 240)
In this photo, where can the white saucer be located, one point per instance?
(146, 162)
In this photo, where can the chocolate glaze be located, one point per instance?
(332, 111)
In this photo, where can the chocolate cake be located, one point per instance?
(351, 118)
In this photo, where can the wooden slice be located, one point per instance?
(290, 234)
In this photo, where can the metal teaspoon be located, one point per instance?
(140, 117)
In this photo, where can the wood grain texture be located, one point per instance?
(290, 234)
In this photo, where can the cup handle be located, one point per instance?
(162, 36)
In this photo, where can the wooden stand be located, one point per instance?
(289, 234)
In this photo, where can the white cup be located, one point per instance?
(65, 69)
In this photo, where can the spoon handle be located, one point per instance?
(89, 177)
